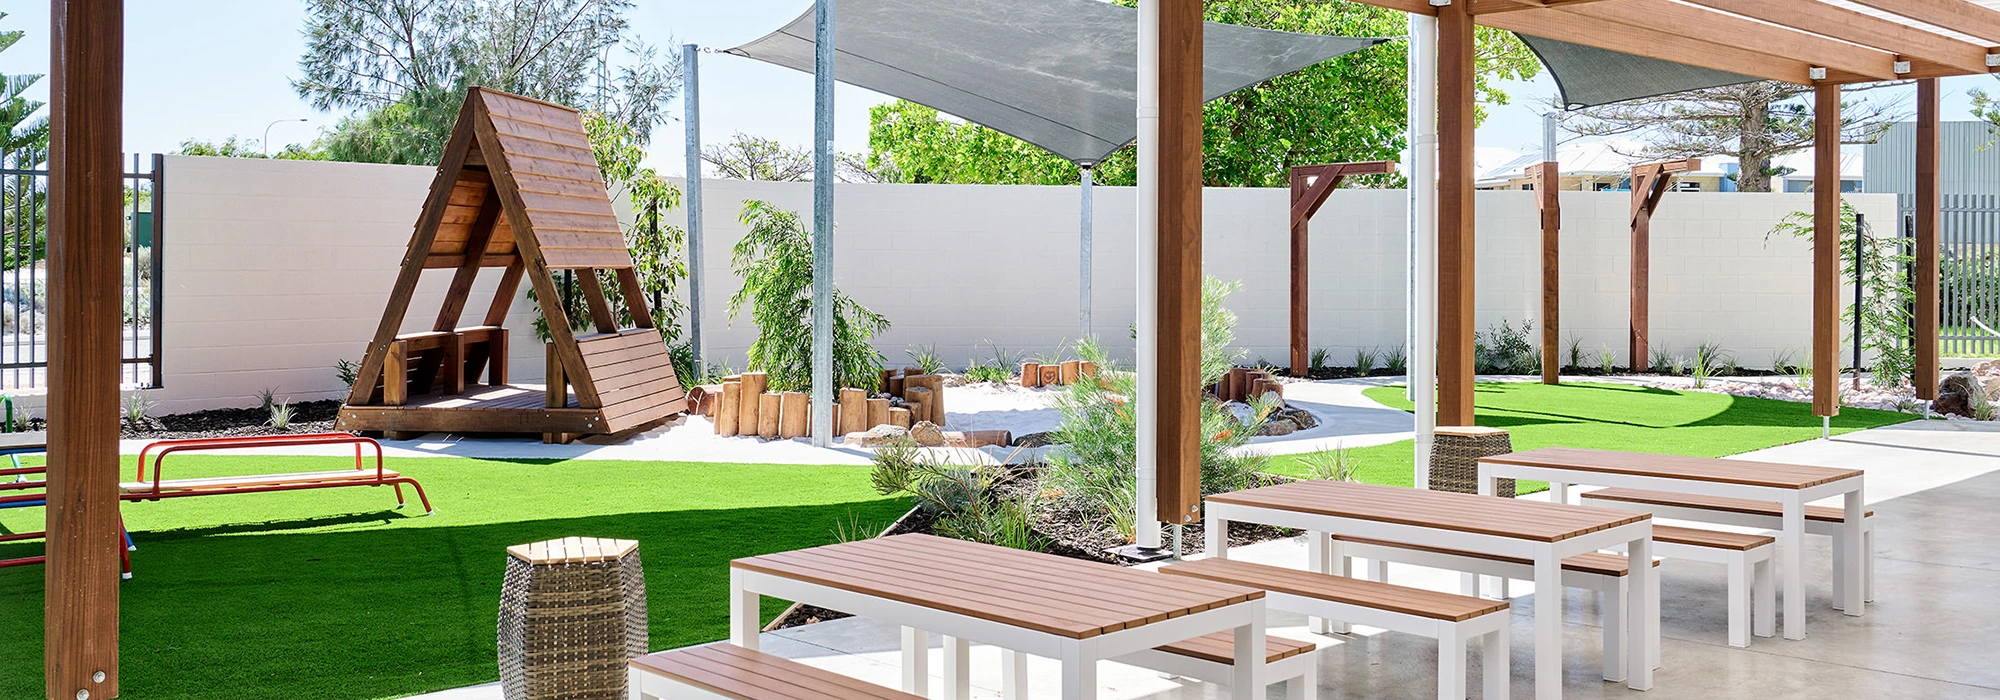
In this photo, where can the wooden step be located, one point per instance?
(1339, 589)
(1746, 506)
(1591, 563)
(1221, 648)
(742, 674)
(1712, 539)
(256, 480)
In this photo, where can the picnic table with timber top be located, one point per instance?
(1544, 533)
(1791, 485)
(1075, 611)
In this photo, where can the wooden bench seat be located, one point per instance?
(1744, 512)
(1711, 539)
(227, 482)
(724, 670)
(1749, 560)
(1221, 648)
(1212, 658)
(1747, 506)
(1449, 618)
(1599, 563)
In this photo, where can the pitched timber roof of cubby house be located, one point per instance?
(518, 188)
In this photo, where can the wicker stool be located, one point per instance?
(1455, 453)
(572, 613)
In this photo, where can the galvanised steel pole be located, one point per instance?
(691, 97)
(823, 155)
(1084, 232)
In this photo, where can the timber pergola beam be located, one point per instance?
(1311, 185)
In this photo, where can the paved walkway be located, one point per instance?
(1935, 487)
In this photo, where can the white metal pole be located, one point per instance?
(1085, 228)
(691, 97)
(823, 156)
(1423, 62)
(1148, 521)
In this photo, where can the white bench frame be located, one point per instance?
(1490, 630)
(1299, 672)
(1749, 574)
(1079, 657)
(1610, 590)
(1774, 523)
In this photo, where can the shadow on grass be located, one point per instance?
(383, 611)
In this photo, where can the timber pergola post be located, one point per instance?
(1311, 185)
(1457, 66)
(1548, 184)
(1649, 185)
(1826, 252)
(1177, 298)
(86, 241)
(1924, 332)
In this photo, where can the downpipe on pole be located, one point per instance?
(1085, 229)
(1147, 523)
(1423, 61)
(691, 97)
(823, 155)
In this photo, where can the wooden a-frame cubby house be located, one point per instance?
(517, 189)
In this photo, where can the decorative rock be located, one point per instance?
(1954, 396)
(1304, 418)
(877, 436)
(1991, 385)
(1035, 440)
(928, 434)
(1277, 426)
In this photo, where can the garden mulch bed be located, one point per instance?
(1070, 532)
(307, 417)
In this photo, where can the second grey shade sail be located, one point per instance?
(1060, 74)
(1590, 76)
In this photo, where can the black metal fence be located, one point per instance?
(24, 281)
(1968, 273)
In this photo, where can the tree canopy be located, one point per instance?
(406, 64)
(1350, 108)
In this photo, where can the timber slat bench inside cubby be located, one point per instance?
(723, 670)
(1603, 574)
(1746, 512)
(1451, 619)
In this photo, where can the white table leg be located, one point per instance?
(1343, 566)
(1451, 663)
(1548, 626)
(916, 661)
(1319, 560)
(1840, 569)
(1643, 652)
(744, 614)
(1246, 678)
(1738, 593)
(1079, 673)
(1791, 552)
(1013, 675)
(1851, 544)
(957, 669)
(1764, 609)
(1215, 535)
(1868, 559)
(635, 684)
(1494, 664)
(1558, 492)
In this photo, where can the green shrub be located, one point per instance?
(1505, 349)
(1711, 359)
(1001, 371)
(1364, 360)
(1396, 360)
(1098, 474)
(776, 263)
(926, 358)
(1317, 358)
(348, 371)
(1338, 464)
(963, 501)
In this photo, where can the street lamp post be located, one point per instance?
(267, 133)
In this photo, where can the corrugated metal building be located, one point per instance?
(1969, 235)
(1968, 157)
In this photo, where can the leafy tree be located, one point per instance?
(1887, 291)
(24, 144)
(1755, 122)
(237, 147)
(1350, 108)
(776, 263)
(406, 64)
(747, 157)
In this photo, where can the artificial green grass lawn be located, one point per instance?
(333, 594)
(1612, 417)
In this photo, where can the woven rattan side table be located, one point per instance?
(1455, 453)
(572, 613)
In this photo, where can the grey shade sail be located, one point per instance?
(1589, 76)
(1060, 74)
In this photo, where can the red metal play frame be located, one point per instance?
(164, 488)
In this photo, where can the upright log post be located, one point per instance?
(1177, 383)
(1649, 185)
(1924, 332)
(1456, 56)
(1826, 251)
(1311, 185)
(86, 241)
(1548, 182)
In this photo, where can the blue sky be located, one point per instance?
(209, 69)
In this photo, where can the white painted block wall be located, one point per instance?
(275, 270)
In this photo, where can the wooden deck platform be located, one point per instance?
(513, 408)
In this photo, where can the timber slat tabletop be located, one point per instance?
(1486, 515)
(1728, 471)
(1042, 592)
